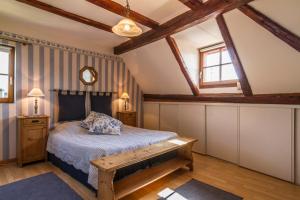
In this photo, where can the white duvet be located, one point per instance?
(75, 146)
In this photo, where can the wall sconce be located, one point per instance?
(125, 97)
(36, 92)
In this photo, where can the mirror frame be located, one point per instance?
(92, 71)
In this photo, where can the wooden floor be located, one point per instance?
(226, 176)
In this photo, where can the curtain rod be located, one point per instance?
(56, 90)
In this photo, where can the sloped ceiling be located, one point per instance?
(26, 20)
(270, 65)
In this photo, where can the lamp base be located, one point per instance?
(36, 106)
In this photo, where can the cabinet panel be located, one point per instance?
(191, 123)
(222, 132)
(169, 117)
(34, 143)
(151, 116)
(266, 140)
(297, 153)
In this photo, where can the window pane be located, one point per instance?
(225, 57)
(211, 74)
(228, 72)
(3, 86)
(212, 58)
(4, 58)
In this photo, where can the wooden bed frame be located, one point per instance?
(107, 166)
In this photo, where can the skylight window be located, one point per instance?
(216, 68)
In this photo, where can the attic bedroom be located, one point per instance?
(137, 99)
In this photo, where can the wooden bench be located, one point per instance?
(107, 166)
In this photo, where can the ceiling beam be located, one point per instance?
(279, 31)
(66, 14)
(234, 56)
(186, 20)
(192, 4)
(290, 99)
(121, 10)
(181, 63)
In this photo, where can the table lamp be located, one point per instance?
(125, 97)
(36, 92)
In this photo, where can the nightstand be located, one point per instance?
(127, 117)
(32, 134)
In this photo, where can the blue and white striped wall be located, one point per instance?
(53, 68)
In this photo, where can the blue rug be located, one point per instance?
(43, 187)
(196, 190)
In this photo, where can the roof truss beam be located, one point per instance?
(276, 29)
(192, 4)
(247, 91)
(175, 50)
(208, 10)
(66, 14)
(121, 10)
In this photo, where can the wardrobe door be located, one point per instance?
(222, 132)
(151, 116)
(191, 123)
(266, 137)
(297, 153)
(168, 120)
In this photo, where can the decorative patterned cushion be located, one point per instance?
(88, 122)
(104, 124)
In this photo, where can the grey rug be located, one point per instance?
(196, 190)
(43, 187)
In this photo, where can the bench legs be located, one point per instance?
(106, 185)
(186, 153)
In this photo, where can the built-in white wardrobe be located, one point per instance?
(264, 138)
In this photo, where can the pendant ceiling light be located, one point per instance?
(127, 27)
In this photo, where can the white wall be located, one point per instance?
(270, 64)
(258, 137)
(156, 69)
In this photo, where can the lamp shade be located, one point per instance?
(36, 92)
(127, 28)
(124, 96)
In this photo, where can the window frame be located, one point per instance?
(214, 84)
(11, 74)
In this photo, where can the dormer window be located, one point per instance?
(216, 68)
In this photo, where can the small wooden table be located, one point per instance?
(107, 167)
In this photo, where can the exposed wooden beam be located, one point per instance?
(279, 31)
(121, 10)
(63, 13)
(234, 56)
(186, 20)
(290, 99)
(192, 4)
(181, 63)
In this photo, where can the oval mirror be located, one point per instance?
(88, 75)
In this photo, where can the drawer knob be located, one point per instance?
(35, 121)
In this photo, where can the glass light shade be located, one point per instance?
(127, 28)
(36, 92)
(124, 96)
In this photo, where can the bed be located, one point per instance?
(112, 165)
(73, 145)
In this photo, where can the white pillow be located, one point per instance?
(104, 124)
(88, 122)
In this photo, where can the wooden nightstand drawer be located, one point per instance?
(128, 118)
(35, 121)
